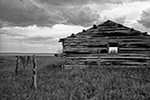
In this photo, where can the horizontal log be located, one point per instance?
(130, 37)
(111, 63)
(112, 34)
(105, 45)
(80, 48)
(86, 44)
(104, 50)
(108, 38)
(115, 66)
(90, 37)
(109, 57)
(95, 52)
(134, 45)
(101, 42)
(83, 49)
(126, 60)
(135, 51)
(105, 54)
(87, 36)
(129, 63)
(80, 40)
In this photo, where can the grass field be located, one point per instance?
(54, 83)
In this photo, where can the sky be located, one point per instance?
(35, 26)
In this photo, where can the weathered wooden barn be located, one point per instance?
(107, 44)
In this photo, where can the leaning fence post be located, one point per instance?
(17, 63)
(34, 76)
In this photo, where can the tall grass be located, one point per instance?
(54, 83)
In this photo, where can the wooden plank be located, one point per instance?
(107, 60)
(109, 56)
(124, 57)
(124, 63)
(105, 54)
(109, 38)
(111, 63)
(134, 45)
(104, 44)
(94, 51)
(137, 49)
(83, 49)
(126, 60)
(78, 48)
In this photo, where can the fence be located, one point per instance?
(25, 61)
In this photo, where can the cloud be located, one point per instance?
(115, 1)
(36, 43)
(120, 19)
(145, 18)
(80, 16)
(39, 38)
(51, 12)
(25, 14)
(11, 34)
(75, 2)
(136, 0)
(36, 40)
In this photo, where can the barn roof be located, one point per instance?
(107, 28)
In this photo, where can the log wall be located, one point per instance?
(83, 52)
(90, 47)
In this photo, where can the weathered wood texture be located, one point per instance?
(17, 64)
(90, 47)
(34, 76)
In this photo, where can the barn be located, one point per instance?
(107, 44)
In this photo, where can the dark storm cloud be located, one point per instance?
(145, 18)
(76, 2)
(25, 14)
(83, 2)
(50, 12)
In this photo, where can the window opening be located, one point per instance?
(113, 48)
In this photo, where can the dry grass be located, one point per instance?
(55, 83)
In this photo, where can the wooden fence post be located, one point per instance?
(34, 76)
(99, 57)
(17, 64)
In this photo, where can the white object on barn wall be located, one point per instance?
(113, 50)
